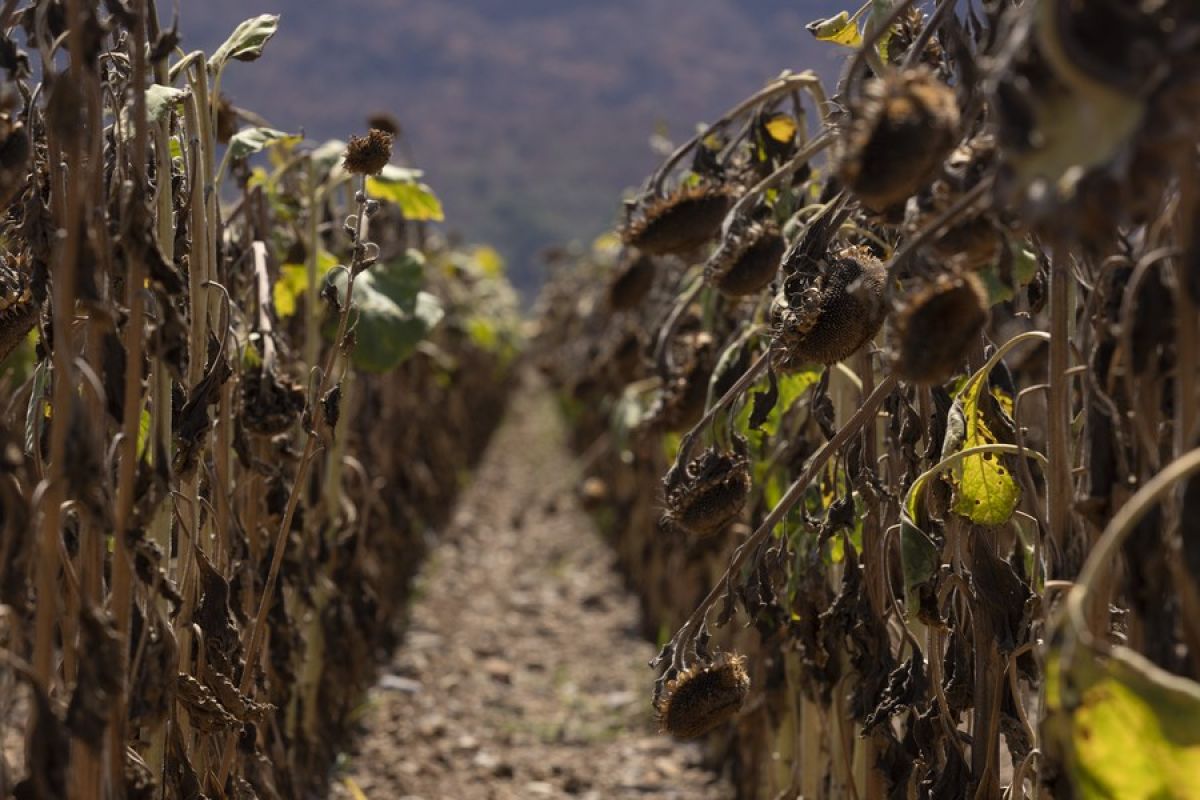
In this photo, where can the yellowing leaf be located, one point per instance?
(355, 792)
(839, 29)
(402, 187)
(483, 333)
(1128, 729)
(985, 490)
(258, 177)
(781, 127)
(293, 281)
(490, 262)
(607, 244)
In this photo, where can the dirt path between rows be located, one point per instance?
(522, 674)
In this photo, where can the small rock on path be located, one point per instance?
(521, 674)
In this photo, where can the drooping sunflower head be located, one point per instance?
(704, 697)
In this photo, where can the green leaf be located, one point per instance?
(247, 142)
(1024, 267)
(293, 282)
(1128, 729)
(19, 363)
(394, 315)
(838, 29)
(251, 358)
(985, 490)
(402, 187)
(670, 443)
(791, 387)
(246, 42)
(482, 332)
(143, 433)
(919, 559)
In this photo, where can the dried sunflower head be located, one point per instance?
(710, 493)
(18, 309)
(747, 260)
(384, 121)
(936, 327)
(899, 133)
(227, 119)
(827, 310)
(703, 697)
(16, 148)
(684, 394)
(974, 242)
(1066, 66)
(368, 155)
(625, 356)
(680, 222)
(905, 33)
(270, 404)
(632, 283)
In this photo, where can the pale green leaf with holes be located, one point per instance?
(246, 42)
(247, 142)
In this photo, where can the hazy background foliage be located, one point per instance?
(532, 115)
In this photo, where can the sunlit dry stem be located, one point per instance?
(122, 578)
(1104, 553)
(68, 200)
(258, 631)
(1187, 359)
(1129, 299)
(1058, 480)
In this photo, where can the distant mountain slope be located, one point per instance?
(530, 115)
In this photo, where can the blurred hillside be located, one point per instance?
(529, 115)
